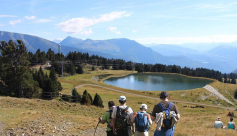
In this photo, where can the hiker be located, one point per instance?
(218, 123)
(121, 118)
(142, 121)
(231, 124)
(107, 119)
(165, 115)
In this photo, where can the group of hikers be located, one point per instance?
(122, 121)
(219, 124)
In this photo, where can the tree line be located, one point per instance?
(18, 80)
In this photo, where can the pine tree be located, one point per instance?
(88, 96)
(52, 75)
(76, 97)
(93, 68)
(16, 75)
(71, 69)
(79, 69)
(85, 100)
(98, 101)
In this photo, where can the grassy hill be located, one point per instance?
(54, 117)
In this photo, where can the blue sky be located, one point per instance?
(146, 21)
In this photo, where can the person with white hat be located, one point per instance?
(218, 123)
(121, 118)
(142, 121)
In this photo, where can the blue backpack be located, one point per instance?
(167, 121)
(141, 122)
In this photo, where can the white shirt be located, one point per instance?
(130, 112)
(218, 124)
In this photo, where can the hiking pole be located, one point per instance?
(97, 126)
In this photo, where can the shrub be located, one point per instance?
(98, 101)
(76, 97)
(66, 97)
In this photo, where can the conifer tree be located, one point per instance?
(76, 97)
(85, 100)
(71, 69)
(88, 95)
(79, 69)
(98, 101)
(16, 75)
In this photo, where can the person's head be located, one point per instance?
(143, 107)
(218, 118)
(164, 95)
(122, 100)
(231, 119)
(111, 104)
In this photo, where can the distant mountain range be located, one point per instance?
(131, 50)
(172, 50)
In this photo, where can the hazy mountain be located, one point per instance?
(31, 42)
(57, 41)
(171, 50)
(235, 71)
(126, 49)
(70, 41)
(224, 52)
(200, 47)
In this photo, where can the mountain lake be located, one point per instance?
(157, 82)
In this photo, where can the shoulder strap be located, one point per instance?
(161, 107)
(118, 110)
(126, 108)
(170, 104)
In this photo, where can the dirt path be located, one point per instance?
(154, 97)
(216, 92)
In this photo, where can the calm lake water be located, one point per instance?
(157, 82)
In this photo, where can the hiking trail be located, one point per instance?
(116, 90)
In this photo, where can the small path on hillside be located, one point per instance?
(153, 97)
(216, 92)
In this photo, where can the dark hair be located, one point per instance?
(122, 102)
(163, 95)
(111, 103)
(231, 119)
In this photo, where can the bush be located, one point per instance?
(66, 97)
(76, 97)
(85, 100)
(98, 101)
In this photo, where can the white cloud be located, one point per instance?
(1, 24)
(43, 20)
(87, 32)
(7, 16)
(181, 40)
(29, 17)
(14, 22)
(76, 25)
(134, 31)
(114, 29)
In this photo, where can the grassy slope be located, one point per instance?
(55, 117)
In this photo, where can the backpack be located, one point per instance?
(110, 125)
(122, 120)
(168, 122)
(141, 122)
